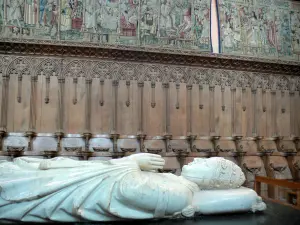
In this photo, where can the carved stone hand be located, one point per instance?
(148, 161)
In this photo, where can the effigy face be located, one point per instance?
(214, 173)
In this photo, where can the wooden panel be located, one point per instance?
(12, 98)
(76, 113)
(22, 109)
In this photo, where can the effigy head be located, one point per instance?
(214, 173)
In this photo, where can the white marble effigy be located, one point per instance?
(66, 190)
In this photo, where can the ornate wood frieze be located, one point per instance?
(48, 67)
(149, 55)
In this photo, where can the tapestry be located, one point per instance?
(182, 24)
(265, 28)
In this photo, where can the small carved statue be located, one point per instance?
(66, 190)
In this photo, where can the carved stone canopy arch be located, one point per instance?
(264, 81)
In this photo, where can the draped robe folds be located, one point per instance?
(94, 191)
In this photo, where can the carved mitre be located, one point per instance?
(214, 173)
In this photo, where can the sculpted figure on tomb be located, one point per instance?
(62, 189)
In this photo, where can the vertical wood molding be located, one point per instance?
(19, 95)
(200, 96)
(47, 98)
(166, 86)
(254, 114)
(75, 83)
(61, 94)
(189, 109)
(283, 104)
(233, 111)
(32, 116)
(153, 103)
(212, 110)
(264, 100)
(177, 95)
(115, 86)
(128, 93)
(4, 103)
(223, 97)
(292, 114)
(88, 84)
(274, 113)
(101, 102)
(244, 97)
(140, 107)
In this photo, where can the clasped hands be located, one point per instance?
(148, 162)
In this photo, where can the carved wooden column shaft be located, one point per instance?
(75, 82)
(254, 107)
(47, 99)
(167, 108)
(140, 107)
(32, 117)
(244, 93)
(223, 97)
(61, 94)
(292, 113)
(233, 108)
(189, 108)
(283, 104)
(153, 103)
(4, 104)
(200, 96)
(88, 84)
(101, 92)
(274, 113)
(212, 110)
(19, 98)
(177, 95)
(128, 93)
(115, 84)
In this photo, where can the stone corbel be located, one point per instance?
(59, 135)
(255, 170)
(15, 151)
(215, 140)
(167, 138)
(278, 168)
(141, 138)
(155, 150)
(30, 134)
(84, 154)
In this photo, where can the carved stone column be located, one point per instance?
(254, 107)
(212, 110)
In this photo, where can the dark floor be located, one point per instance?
(275, 214)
